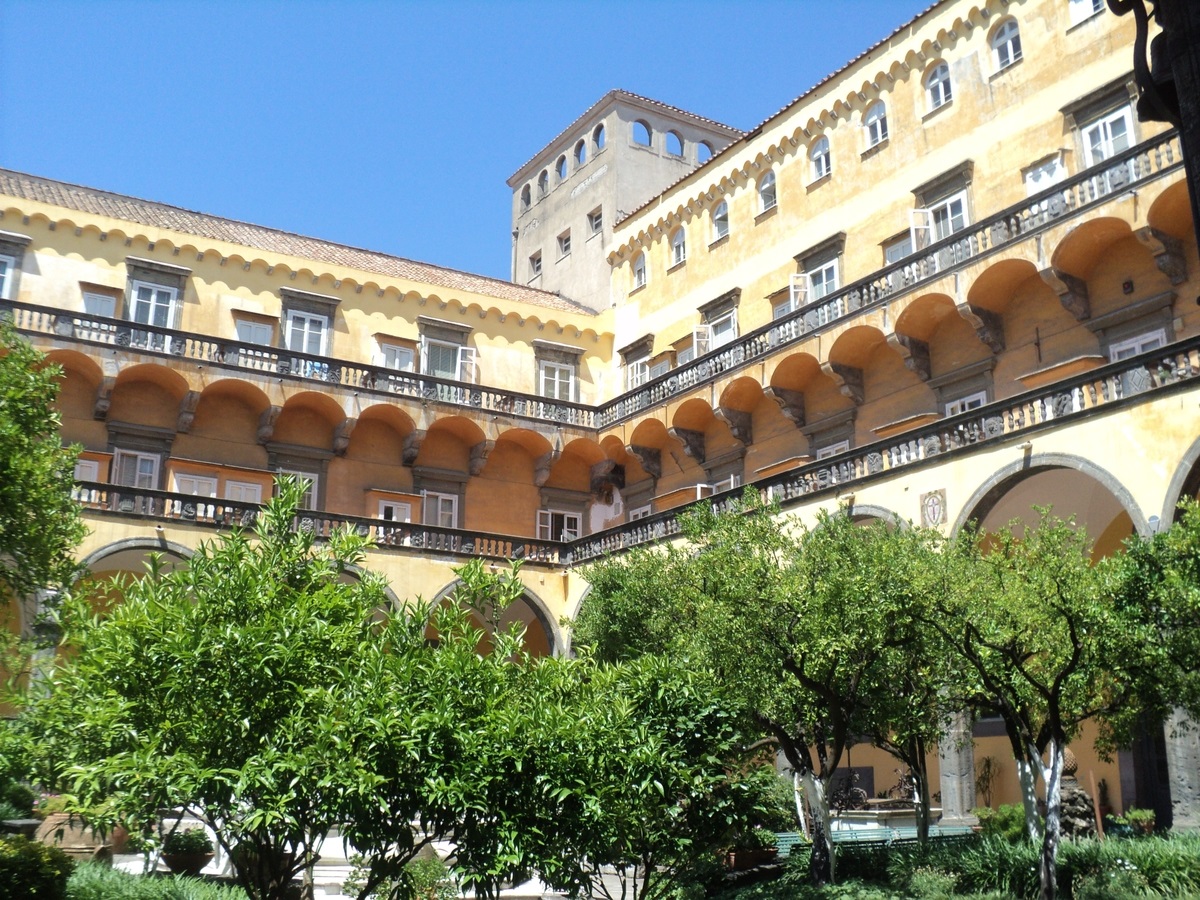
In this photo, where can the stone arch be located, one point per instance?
(1084, 246)
(1185, 482)
(998, 496)
(868, 512)
(1171, 212)
(550, 640)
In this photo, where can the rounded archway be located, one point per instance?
(528, 611)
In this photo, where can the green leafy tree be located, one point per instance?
(215, 688)
(1028, 615)
(808, 627)
(40, 524)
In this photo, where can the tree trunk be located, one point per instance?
(921, 776)
(798, 792)
(1048, 872)
(1025, 773)
(821, 866)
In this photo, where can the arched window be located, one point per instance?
(720, 220)
(598, 136)
(639, 270)
(641, 133)
(674, 143)
(766, 192)
(543, 183)
(561, 168)
(580, 153)
(937, 86)
(876, 123)
(1006, 44)
(526, 198)
(822, 164)
(679, 246)
(704, 152)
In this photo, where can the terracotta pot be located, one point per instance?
(748, 859)
(187, 863)
(74, 838)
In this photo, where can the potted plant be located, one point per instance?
(187, 852)
(65, 825)
(753, 847)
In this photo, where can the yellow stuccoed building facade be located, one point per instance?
(956, 279)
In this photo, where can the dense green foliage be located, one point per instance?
(97, 882)
(29, 869)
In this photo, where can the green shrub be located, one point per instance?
(29, 869)
(1007, 822)
(1120, 885)
(190, 840)
(928, 883)
(96, 882)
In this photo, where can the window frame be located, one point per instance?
(1005, 44)
(245, 486)
(546, 525)
(678, 138)
(543, 183)
(768, 192)
(294, 316)
(526, 197)
(396, 350)
(535, 265)
(121, 455)
(720, 214)
(678, 246)
(1138, 344)
(829, 272)
(939, 88)
(551, 372)
(210, 483)
(965, 403)
(1082, 10)
(819, 155)
(580, 154)
(244, 330)
(599, 137)
(438, 512)
(640, 276)
(310, 498)
(7, 275)
(633, 133)
(1104, 120)
(562, 169)
(394, 506)
(563, 242)
(595, 221)
(875, 123)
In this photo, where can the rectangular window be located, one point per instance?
(396, 356)
(535, 265)
(138, 470)
(721, 330)
(823, 280)
(195, 485)
(779, 310)
(103, 305)
(306, 333)
(564, 244)
(250, 332)
(963, 404)
(446, 360)
(898, 250)
(441, 510)
(1044, 175)
(833, 449)
(637, 373)
(7, 265)
(1134, 346)
(639, 271)
(87, 470)
(1108, 136)
(595, 221)
(554, 525)
(640, 512)
(243, 492)
(309, 499)
(556, 381)
(394, 511)
(1084, 9)
(153, 304)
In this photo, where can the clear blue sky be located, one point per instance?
(391, 126)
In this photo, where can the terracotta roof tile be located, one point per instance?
(270, 240)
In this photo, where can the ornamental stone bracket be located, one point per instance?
(187, 411)
(103, 398)
(914, 352)
(740, 423)
(606, 476)
(1072, 292)
(412, 447)
(791, 403)
(1167, 250)
(649, 457)
(849, 380)
(989, 326)
(266, 423)
(479, 456)
(692, 441)
(542, 466)
(341, 435)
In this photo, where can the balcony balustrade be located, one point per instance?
(1146, 162)
(275, 361)
(1135, 380)
(1138, 165)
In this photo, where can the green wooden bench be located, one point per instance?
(787, 841)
